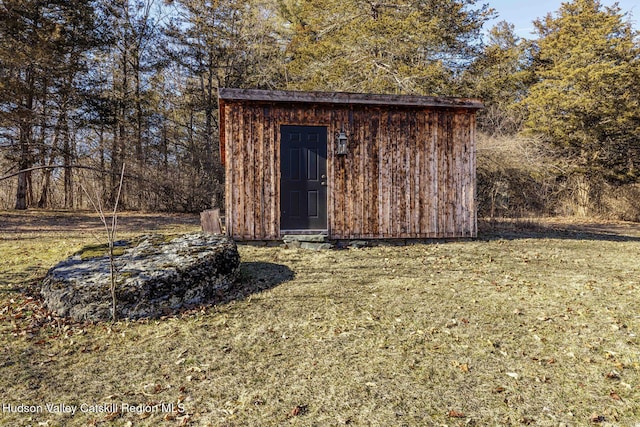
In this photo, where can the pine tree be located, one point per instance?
(43, 46)
(501, 77)
(404, 46)
(231, 43)
(134, 60)
(586, 101)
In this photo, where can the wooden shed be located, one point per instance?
(350, 166)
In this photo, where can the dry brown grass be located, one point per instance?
(537, 327)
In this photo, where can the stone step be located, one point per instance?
(318, 246)
(307, 241)
(314, 238)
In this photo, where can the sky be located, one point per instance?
(521, 13)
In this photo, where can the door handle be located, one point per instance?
(323, 183)
(323, 176)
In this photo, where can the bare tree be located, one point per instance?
(111, 228)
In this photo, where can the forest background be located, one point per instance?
(86, 86)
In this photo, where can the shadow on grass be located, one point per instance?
(526, 229)
(21, 281)
(255, 277)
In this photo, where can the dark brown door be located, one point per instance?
(303, 182)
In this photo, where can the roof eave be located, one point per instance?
(259, 95)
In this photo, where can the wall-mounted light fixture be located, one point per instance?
(341, 143)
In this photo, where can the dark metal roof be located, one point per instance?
(346, 98)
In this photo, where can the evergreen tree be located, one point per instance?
(43, 48)
(403, 46)
(586, 99)
(232, 43)
(135, 58)
(501, 76)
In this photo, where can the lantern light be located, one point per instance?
(341, 143)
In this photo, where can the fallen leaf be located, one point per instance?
(513, 375)
(464, 367)
(112, 416)
(456, 414)
(613, 375)
(615, 396)
(595, 418)
(298, 410)
(498, 390)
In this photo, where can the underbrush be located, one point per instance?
(521, 176)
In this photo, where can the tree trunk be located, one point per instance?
(67, 161)
(25, 161)
(118, 153)
(21, 193)
(44, 194)
(44, 150)
(139, 110)
(581, 191)
(24, 180)
(103, 183)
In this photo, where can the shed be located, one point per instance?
(347, 165)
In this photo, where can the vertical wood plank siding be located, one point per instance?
(410, 171)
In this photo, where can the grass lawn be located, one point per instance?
(537, 327)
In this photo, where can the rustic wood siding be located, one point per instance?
(410, 171)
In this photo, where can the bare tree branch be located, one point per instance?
(111, 236)
(11, 175)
